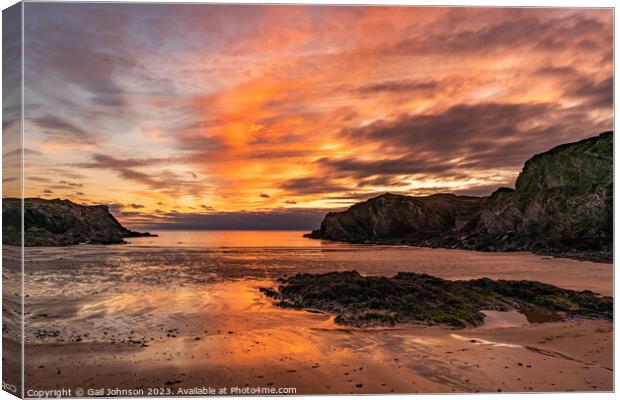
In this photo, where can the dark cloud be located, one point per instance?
(562, 72)
(464, 138)
(398, 86)
(109, 162)
(18, 152)
(39, 179)
(64, 185)
(383, 180)
(135, 206)
(282, 219)
(164, 181)
(380, 169)
(595, 94)
(132, 213)
(67, 183)
(265, 196)
(311, 185)
(61, 185)
(290, 202)
(63, 131)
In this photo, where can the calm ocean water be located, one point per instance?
(234, 239)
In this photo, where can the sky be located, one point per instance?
(266, 117)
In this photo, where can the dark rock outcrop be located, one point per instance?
(61, 223)
(409, 297)
(392, 217)
(562, 204)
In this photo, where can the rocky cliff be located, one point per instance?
(562, 204)
(391, 218)
(61, 223)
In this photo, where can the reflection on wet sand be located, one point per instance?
(228, 334)
(127, 318)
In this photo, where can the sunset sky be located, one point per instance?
(216, 116)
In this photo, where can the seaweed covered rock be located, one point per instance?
(61, 223)
(410, 297)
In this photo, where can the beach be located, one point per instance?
(177, 317)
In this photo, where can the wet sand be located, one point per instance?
(244, 341)
(177, 320)
(404, 360)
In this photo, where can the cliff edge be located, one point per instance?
(61, 223)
